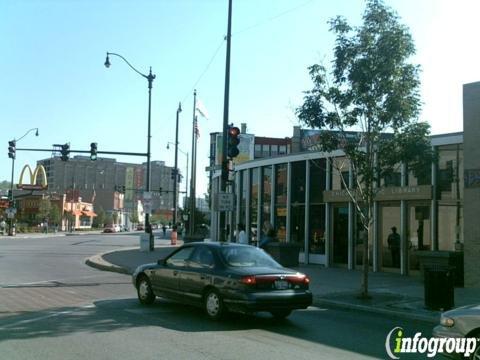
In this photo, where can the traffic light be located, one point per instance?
(11, 149)
(93, 151)
(174, 172)
(233, 141)
(65, 152)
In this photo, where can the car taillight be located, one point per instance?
(299, 279)
(248, 280)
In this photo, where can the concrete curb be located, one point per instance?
(97, 262)
(318, 301)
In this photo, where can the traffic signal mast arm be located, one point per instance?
(88, 152)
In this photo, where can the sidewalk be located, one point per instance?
(392, 294)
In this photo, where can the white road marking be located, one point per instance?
(52, 314)
(50, 281)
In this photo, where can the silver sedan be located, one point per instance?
(463, 322)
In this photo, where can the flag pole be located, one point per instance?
(191, 217)
(224, 177)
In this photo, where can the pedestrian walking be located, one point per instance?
(173, 235)
(164, 229)
(242, 235)
(269, 236)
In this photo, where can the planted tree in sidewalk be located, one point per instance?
(99, 220)
(44, 209)
(367, 106)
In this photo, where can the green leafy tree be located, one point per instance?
(372, 89)
(108, 218)
(54, 215)
(115, 217)
(44, 209)
(99, 220)
(134, 218)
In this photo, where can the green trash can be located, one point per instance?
(439, 288)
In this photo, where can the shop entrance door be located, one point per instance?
(340, 234)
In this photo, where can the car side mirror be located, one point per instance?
(162, 261)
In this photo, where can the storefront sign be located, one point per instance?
(421, 192)
(37, 179)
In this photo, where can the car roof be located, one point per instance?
(216, 244)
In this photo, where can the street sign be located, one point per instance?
(224, 202)
(147, 206)
(11, 212)
(147, 195)
(213, 168)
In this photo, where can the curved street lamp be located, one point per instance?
(150, 77)
(14, 142)
(175, 192)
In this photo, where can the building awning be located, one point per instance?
(76, 212)
(89, 213)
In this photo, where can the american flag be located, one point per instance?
(197, 131)
(200, 108)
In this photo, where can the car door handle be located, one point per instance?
(175, 272)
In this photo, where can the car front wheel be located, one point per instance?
(213, 304)
(145, 292)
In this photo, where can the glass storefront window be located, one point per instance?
(258, 150)
(450, 226)
(254, 198)
(243, 196)
(340, 167)
(297, 224)
(265, 150)
(316, 236)
(280, 224)
(267, 196)
(389, 216)
(316, 240)
(450, 172)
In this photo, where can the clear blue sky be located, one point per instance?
(53, 76)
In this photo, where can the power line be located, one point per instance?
(205, 70)
(263, 22)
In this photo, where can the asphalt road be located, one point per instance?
(53, 306)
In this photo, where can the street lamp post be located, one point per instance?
(150, 77)
(179, 110)
(186, 178)
(15, 141)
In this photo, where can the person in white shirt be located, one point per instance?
(242, 235)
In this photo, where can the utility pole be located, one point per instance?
(224, 177)
(191, 215)
(175, 194)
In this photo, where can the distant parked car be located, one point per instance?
(463, 322)
(223, 277)
(109, 229)
(140, 227)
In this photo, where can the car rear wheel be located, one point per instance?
(281, 314)
(145, 292)
(213, 304)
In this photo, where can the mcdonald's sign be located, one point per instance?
(37, 179)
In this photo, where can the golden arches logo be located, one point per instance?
(38, 178)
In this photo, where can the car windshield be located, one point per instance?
(247, 256)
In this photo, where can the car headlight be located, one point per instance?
(446, 321)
